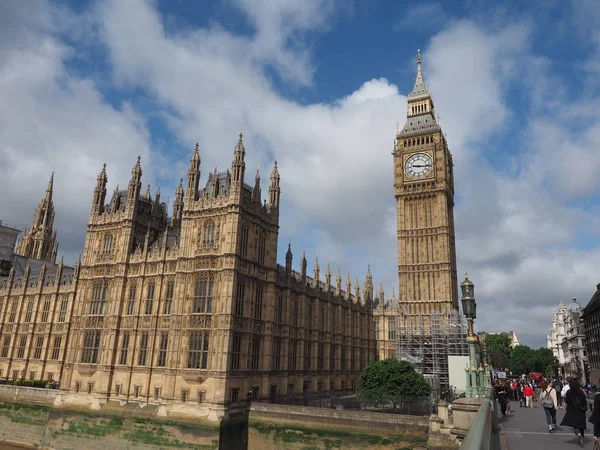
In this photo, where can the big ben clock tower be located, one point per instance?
(424, 190)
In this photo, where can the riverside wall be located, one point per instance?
(30, 416)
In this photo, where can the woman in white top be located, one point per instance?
(549, 403)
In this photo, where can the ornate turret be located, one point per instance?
(39, 241)
(274, 190)
(193, 177)
(368, 288)
(288, 258)
(100, 192)
(135, 184)
(148, 196)
(338, 283)
(178, 203)
(115, 202)
(238, 166)
(348, 286)
(357, 291)
(316, 273)
(256, 189)
(328, 278)
(303, 265)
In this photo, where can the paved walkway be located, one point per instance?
(526, 429)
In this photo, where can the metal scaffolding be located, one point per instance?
(426, 340)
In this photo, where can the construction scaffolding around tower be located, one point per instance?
(426, 340)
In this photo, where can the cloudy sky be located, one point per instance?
(319, 85)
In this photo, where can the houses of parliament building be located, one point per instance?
(192, 310)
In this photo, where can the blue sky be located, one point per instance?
(319, 85)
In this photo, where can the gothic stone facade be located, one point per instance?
(187, 310)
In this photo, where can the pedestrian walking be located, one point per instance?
(520, 394)
(576, 406)
(528, 393)
(595, 420)
(502, 396)
(558, 387)
(549, 403)
(513, 389)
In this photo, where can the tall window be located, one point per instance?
(29, 312)
(108, 243)
(309, 314)
(198, 351)
(244, 241)
(56, 347)
(331, 356)
(258, 303)
(162, 352)
(5, 346)
(239, 298)
(261, 248)
(236, 350)
(376, 328)
(131, 301)
(203, 296)
(169, 297)
(143, 349)
(99, 295)
(276, 360)
(62, 315)
(392, 327)
(307, 354)
(124, 349)
(22, 345)
(255, 352)
(13, 310)
(150, 298)
(343, 358)
(292, 356)
(39, 344)
(91, 343)
(208, 240)
(295, 311)
(279, 309)
(46, 311)
(320, 356)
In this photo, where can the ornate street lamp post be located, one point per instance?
(474, 376)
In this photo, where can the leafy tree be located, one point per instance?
(545, 362)
(521, 360)
(391, 380)
(498, 350)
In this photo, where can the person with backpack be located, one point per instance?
(576, 406)
(549, 402)
(595, 420)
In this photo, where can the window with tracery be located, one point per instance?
(208, 236)
(108, 243)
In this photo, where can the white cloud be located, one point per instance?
(514, 232)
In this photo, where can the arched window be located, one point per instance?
(99, 298)
(244, 240)
(208, 239)
(108, 243)
(203, 296)
(262, 240)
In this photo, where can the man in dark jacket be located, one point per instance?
(502, 396)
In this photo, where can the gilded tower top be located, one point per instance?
(420, 115)
(420, 90)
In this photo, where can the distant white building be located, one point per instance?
(567, 341)
(514, 339)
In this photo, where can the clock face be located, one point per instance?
(418, 166)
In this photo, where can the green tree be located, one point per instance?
(391, 380)
(545, 362)
(498, 350)
(521, 360)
